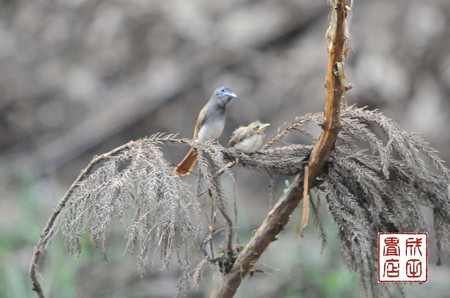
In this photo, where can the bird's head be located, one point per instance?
(224, 95)
(259, 127)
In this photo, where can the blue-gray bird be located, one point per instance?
(209, 126)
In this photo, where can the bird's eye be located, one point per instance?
(222, 90)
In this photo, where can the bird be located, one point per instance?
(209, 125)
(249, 139)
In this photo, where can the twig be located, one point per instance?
(225, 167)
(44, 238)
(228, 220)
(305, 211)
(278, 217)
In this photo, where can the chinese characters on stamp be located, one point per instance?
(402, 257)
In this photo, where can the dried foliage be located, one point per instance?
(377, 178)
(140, 179)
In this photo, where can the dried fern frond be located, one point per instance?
(403, 145)
(297, 124)
(138, 179)
(378, 177)
(283, 160)
(210, 160)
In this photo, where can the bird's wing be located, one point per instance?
(200, 121)
(240, 134)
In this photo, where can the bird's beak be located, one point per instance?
(264, 126)
(231, 94)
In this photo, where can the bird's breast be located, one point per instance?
(250, 144)
(212, 128)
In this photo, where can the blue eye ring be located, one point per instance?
(222, 90)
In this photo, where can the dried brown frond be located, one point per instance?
(297, 124)
(378, 177)
(210, 160)
(198, 273)
(138, 179)
(317, 220)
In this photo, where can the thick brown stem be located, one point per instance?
(279, 216)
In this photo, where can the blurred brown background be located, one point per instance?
(80, 77)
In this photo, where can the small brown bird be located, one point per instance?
(249, 139)
(209, 126)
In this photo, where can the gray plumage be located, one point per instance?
(209, 125)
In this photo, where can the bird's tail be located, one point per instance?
(187, 164)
